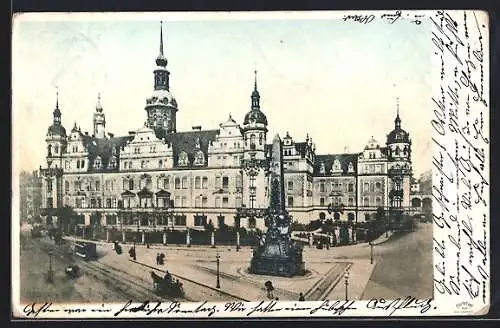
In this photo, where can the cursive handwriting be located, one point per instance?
(399, 304)
(460, 161)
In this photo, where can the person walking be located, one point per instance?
(269, 288)
(301, 297)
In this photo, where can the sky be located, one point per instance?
(336, 81)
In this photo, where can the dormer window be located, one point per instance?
(350, 168)
(183, 159)
(112, 163)
(97, 162)
(336, 166)
(322, 169)
(200, 158)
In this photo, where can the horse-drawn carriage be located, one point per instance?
(167, 286)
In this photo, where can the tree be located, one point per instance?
(66, 217)
(380, 214)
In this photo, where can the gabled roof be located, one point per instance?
(329, 159)
(128, 193)
(186, 141)
(104, 149)
(163, 193)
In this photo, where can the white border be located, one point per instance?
(442, 304)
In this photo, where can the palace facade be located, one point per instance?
(157, 177)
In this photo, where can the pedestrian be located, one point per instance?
(157, 258)
(269, 288)
(301, 297)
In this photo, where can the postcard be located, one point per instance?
(250, 164)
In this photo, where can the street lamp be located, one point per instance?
(346, 278)
(50, 276)
(371, 252)
(218, 279)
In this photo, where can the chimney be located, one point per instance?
(196, 128)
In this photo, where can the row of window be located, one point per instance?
(336, 186)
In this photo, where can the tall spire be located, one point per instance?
(161, 38)
(255, 95)
(57, 113)
(397, 121)
(161, 60)
(98, 106)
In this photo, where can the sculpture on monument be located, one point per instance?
(278, 255)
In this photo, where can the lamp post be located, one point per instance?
(371, 252)
(346, 278)
(218, 279)
(50, 276)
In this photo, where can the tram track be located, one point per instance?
(115, 279)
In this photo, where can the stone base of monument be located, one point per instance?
(277, 259)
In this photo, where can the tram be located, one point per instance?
(85, 250)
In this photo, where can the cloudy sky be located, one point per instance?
(336, 80)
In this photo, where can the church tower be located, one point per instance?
(161, 107)
(399, 165)
(254, 132)
(55, 139)
(99, 120)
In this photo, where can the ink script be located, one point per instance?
(460, 124)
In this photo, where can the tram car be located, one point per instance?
(85, 250)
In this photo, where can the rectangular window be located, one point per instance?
(351, 201)
(239, 182)
(290, 201)
(322, 201)
(158, 183)
(225, 202)
(366, 187)
(290, 185)
(197, 183)
(225, 182)
(217, 183)
(350, 188)
(238, 202)
(217, 201)
(204, 201)
(180, 220)
(115, 203)
(166, 183)
(97, 186)
(204, 183)
(177, 183)
(322, 187)
(131, 184)
(184, 183)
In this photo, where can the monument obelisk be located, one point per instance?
(278, 255)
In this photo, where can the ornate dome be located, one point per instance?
(161, 97)
(56, 130)
(398, 135)
(255, 116)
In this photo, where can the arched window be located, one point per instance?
(396, 152)
(97, 162)
(322, 168)
(252, 141)
(366, 201)
(183, 159)
(56, 149)
(112, 162)
(204, 183)
(200, 158)
(378, 186)
(350, 169)
(49, 150)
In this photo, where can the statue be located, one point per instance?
(278, 255)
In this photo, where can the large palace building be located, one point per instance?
(160, 177)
